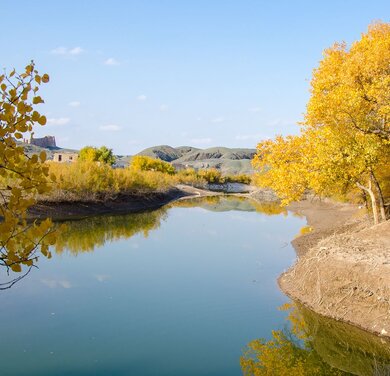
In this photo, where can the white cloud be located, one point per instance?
(58, 121)
(67, 51)
(142, 97)
(74, 104)
(255, 109)
(76, 51)
(111, 61)
(163, 107)
(102, 277)
(110, 128)
(218, 119)
(52, 283)
(200, 141)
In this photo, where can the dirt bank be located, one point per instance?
(343, 266)
(122, 204)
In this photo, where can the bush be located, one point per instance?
(143, 163)
(92, 181)
(190, 177)
(242, 178)
(212, 176)
(92, 154)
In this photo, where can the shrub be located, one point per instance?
(91, 181)
(212, 176)
(143, 163)
(92, 154)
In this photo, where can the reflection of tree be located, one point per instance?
(86, 234)
(228, 203)
(269, 208)
(317, 346)
(346, 347)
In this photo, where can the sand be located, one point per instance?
(343, 266)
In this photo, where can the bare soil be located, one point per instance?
(122, 204)
(343, 266)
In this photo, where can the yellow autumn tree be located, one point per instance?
(351, 87)
(21, 177)
(144, 163)
(344, 142)
(92, 154)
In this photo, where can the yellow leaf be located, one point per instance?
(42, 120)
(37, 100)
(42, 156)
(16, 268)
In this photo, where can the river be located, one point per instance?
(188, 289)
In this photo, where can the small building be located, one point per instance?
(65, 157)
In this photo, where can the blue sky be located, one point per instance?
(132, 74)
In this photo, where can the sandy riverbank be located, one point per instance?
(343, 266)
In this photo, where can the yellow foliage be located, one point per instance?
(351, 88)
(215, 176)
(91, 181)
(86, 180)
(21, 177)
(143, 163)
(344, 144)
(92, 154)
(191, 177)
(212, 176)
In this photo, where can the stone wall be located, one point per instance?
(65, 157)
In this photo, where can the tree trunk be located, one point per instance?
(380, 195)
(373, 199)
(364, 194)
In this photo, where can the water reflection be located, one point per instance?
(315, 345)
(87, 234)
(229, 203)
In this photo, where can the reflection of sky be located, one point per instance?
(52, 283)
(188, 297)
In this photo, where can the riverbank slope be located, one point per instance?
(343, 266)
(121, 204)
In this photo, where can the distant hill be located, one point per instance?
(228, 160)
(167, 153)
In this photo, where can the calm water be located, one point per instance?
(178, 291)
